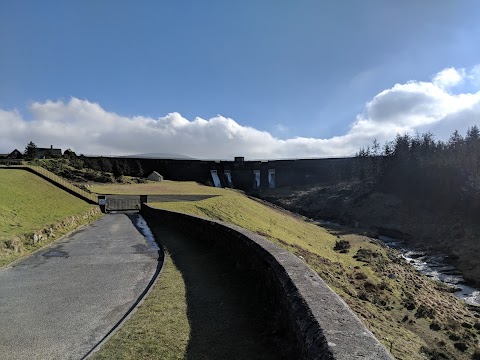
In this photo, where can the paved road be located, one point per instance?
(58, 303)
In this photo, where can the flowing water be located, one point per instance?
(436, 267)
(433, 266)
(142, 226)
(215, 178)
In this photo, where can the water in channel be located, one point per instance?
(435, 267)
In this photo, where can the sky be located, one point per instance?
(264, 79)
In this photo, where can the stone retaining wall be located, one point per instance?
(322, 324)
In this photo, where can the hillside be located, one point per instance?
(416, 314)
(385, 213)
(31, 205)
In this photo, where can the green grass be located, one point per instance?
(31, 204)
(159, 328)
(375, 285)
(165, 187)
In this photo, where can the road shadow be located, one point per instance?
(225, 306)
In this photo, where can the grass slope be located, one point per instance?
(419, 317)
(29, 204)
(444, 231)
(159, 328)
(165, 187)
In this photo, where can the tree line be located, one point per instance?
(439, 175)
(117, 166)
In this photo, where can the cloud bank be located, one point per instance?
(87, 128)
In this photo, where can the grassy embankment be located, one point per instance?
(442, 230)
(31, 205)
(416, 314)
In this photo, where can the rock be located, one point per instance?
(453, 289)
(13, 244)
(35, 238)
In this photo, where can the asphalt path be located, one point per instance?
(61, 301)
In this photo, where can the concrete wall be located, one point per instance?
(322, 324)
(287, 172)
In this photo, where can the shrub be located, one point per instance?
(409, 302)
(360, 276)
(365, 255)
(424, 312)
(454, 337)
(433, 354)
(384, 286)
(461, 346)
(369, 285)
(363, 296)
(342, 246)
(476, 355)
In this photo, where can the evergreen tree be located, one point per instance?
(69, 154)
(31, 151)
(137, 169)
(421, 170)
(105, 164)
(117, 169)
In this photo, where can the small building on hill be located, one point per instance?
(48, 153)
(15, 154)
(155, 176)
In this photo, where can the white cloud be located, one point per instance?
(88, 128)
(422, 106)
(449, 77)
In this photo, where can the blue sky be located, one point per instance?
(290, 69)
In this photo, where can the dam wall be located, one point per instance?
(316, 318)
(242, 174)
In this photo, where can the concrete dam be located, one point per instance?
(251, 175)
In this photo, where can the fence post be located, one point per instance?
(102, 202)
